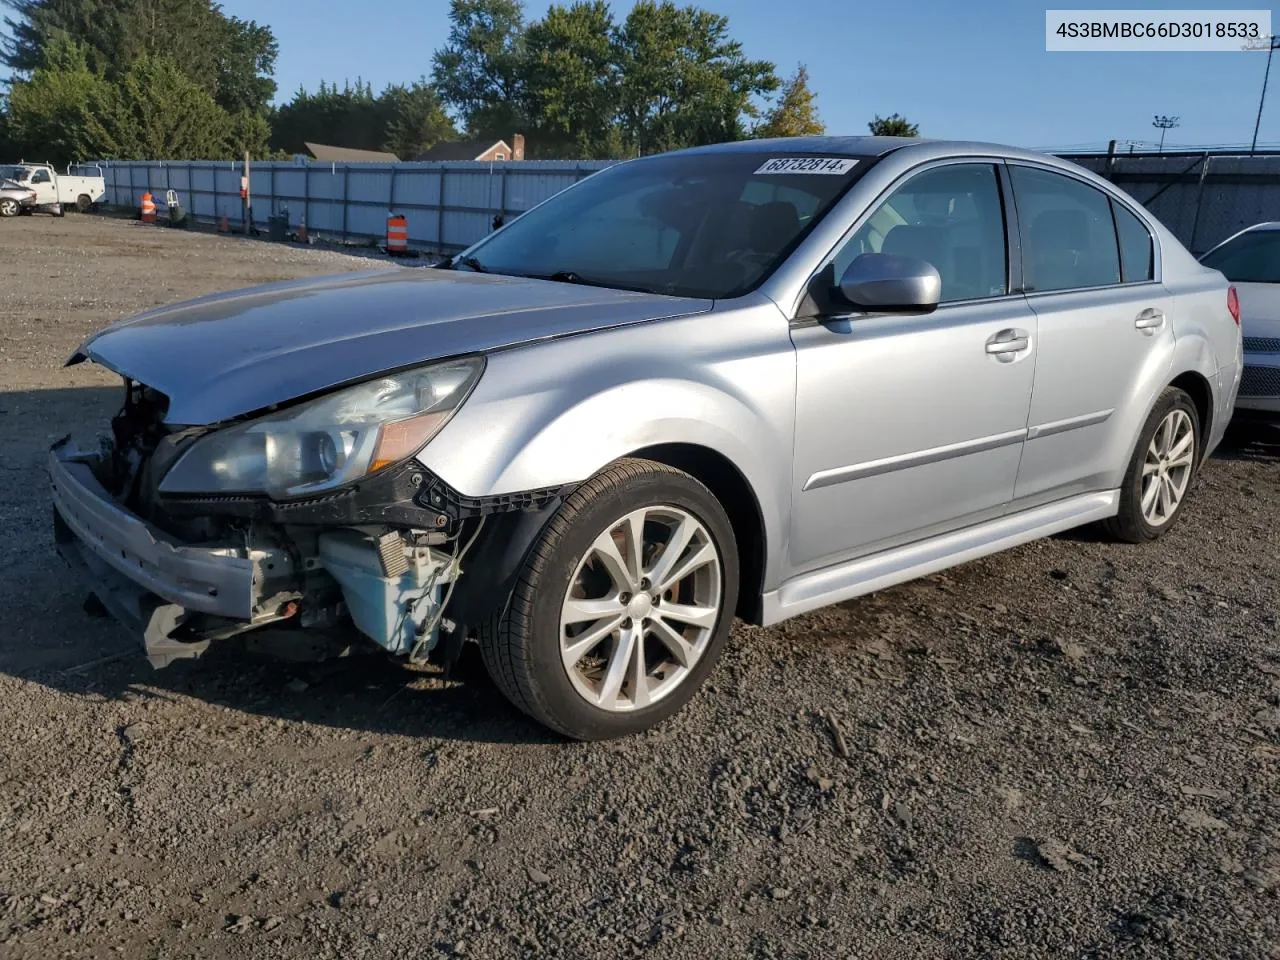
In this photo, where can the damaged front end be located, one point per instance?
(376, 557)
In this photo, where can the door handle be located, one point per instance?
(1149, 320)
(1006, 344)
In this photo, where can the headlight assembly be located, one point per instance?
(325, 443)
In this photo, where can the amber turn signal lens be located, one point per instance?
(401, 439)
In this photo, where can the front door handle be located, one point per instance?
(1007, 344)
(1149, 320)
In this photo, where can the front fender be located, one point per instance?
(555, 413)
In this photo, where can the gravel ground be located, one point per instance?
(1071, 749)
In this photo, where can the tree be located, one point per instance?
(794, 115)
(477, 71)
(893, 126)
(416, 120)
(683, 81)
(50, 115)
(229, 58)
(244, 62)
(156, 112)
(570, 82)
(403, 120)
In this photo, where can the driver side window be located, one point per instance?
(952, 217)
(40, 176)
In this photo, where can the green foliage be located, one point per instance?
(893, 126)
(179, 78)
(580, 84)
(684, 82)
(85, 65)
(157, 111)
(50, 116)
(571, 84)
(404, 120)
(478, 70)
(795, 114)
(416, 120)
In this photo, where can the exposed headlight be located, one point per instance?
(325, 443)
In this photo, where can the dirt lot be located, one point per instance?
(1072, 749)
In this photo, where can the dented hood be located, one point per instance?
(227, 355)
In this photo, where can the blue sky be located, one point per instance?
(972, 70)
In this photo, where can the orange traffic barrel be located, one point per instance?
(148, 208)
(397, 234)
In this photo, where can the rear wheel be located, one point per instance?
(84, 203)
(622, 607)
(8, 207)
(1161, 470)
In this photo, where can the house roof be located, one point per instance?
(323, 151)
(463, 150)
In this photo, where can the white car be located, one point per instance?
(55, 191)
(1251, 260)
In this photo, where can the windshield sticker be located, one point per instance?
(828, 165)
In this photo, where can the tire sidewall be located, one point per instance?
(541, 632)
(1173, 399)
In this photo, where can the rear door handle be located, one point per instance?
(1149, 320)
(1006, 344)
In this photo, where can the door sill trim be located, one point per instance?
(854, 578)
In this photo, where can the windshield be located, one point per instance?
(696, 225)
(1252, 257)
(14, 173)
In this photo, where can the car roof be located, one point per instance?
(875, 148)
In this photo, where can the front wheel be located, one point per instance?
(1160, 471)
(8, 207)
(622, 607)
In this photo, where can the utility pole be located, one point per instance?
(1165, 124)
(1272, 43)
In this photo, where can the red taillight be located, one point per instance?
(1233, 304)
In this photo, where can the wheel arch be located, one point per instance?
(730, 487)
(1197, 386)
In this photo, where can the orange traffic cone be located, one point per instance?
(148, 208)
(224, 225)
(302, 231)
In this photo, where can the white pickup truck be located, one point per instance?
(55, 191)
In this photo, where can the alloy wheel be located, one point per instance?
(1166, 470)
(641, 608)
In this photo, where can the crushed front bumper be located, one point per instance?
(143, 577)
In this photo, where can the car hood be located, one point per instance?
(227, 355)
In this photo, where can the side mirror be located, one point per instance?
(887, 283)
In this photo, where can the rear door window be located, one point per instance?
(1068, 235)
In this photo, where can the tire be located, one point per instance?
(583, 698)
(84, 203)
(1174, 411)
(9, 207)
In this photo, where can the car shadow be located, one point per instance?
(1255, 441)
(52, 640)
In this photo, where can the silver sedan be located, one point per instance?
(741, 380)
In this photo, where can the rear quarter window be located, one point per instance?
(1137, 259)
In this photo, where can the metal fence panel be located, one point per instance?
(448, 205)
(1202, 198)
